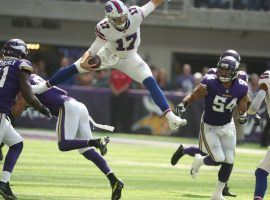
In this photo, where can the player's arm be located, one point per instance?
(150, 7)
(95, 47)
(19, 106)
(198, 93)
(243, 104)
(257, 101)
(28, 94)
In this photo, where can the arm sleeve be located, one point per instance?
(96, 46)
(256, 103)
(148, 8)
(63, 74)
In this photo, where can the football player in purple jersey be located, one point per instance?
(73, 129)
(15, 71)
(192, 150)
(222, 92)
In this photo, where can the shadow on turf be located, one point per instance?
(195, 196)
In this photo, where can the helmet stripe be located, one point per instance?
(117, 6)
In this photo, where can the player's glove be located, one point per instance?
(180, 110)
(242, 118)
(257, 119)
(45, 111)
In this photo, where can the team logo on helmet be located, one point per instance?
(108, 8)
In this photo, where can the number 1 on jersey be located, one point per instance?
(132, 38)
(4, 72)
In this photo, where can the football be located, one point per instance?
(95, 60)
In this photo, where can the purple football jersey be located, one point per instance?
(10, 69)
(52, 98)
(220, 101)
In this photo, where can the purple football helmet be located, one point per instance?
(15, 48)
(227, 69)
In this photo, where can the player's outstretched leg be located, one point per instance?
(100, 143)
(160, 100)
(181, 151)
(261, 183)
(116, 184)
(10, 161)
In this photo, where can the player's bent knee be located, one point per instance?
(219, 158)
(62, 146)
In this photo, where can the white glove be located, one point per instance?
(40, 88)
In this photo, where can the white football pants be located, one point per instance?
(73, 122)
(8, 135)
(218, 141)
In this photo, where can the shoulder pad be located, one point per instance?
(25, 65)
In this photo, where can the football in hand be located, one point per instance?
(95, 60)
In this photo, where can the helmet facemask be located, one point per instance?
(119, 22)
(227, 69)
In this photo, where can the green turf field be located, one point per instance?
(45, 173)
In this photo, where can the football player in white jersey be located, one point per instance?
(263, 169)
(117, 41)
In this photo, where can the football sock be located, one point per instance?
(192, 151)
(93, 143)
(12, 156)
(159, 98)
(67, 145)
(261, 183)
(5, 176)
(63, 74)
(219, 187)
(209, 161)
(225, 172)
(98, 160)
(112, 178)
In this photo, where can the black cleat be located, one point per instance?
(5, 191)
(177, 155)
(226, 192)
(117, 189)
(102, 144)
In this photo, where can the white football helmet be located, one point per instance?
(117, 13)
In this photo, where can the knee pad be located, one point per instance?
(219, 158)
(229, 159)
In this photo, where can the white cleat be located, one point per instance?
(176, 122)
(197, 163)
(217, 196)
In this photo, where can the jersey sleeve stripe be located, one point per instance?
(99, 34)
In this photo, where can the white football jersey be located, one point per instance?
(265, 78)
(126, 41)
